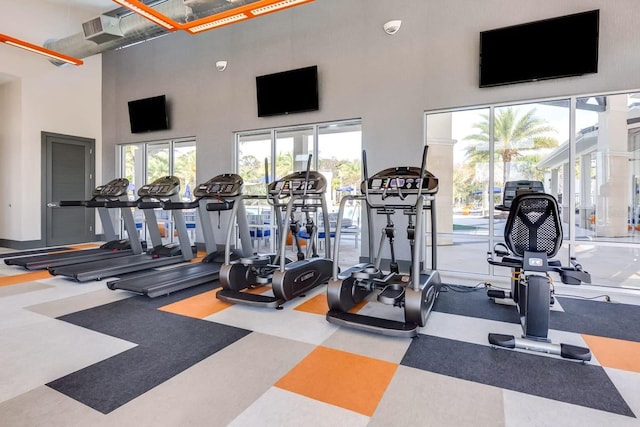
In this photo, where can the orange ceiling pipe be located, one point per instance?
(150, 13)
(230, 16)
(40, 50)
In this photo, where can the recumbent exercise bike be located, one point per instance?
(533, 235)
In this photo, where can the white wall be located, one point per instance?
(10, 149)
(40, 97)
(431, 64)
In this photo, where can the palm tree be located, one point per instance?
(251, 168)
(350, 173)
(514, 136)
(284, 164)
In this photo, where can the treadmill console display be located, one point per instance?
(114, 188)
(225, 185)
(401, 181)
(296, 183)
(166, 186)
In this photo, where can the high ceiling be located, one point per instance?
(97, 6)
(100, 4)
(96, 26)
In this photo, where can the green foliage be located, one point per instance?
(516, 138)
(344, 172)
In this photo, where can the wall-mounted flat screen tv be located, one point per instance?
(552, 48)
(293, 91)
(148, 114)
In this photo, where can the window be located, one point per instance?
(584, 151)
(335, 150)
(142, 163)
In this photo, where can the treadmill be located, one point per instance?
(218, 194)
(150, 197)
(114, 190)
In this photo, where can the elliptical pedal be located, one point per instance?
(392, 294)
(263, 280)
(256, 260)
(367, 273)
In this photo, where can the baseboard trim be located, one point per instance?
(22, 245)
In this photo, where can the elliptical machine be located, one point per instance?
(303, 191)
(533, 235)
(411, 190)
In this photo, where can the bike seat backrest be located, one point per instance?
(533, 225)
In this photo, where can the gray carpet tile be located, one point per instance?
(612, 320)
(604, 319)
(562, 380)
(167, 345)
(474, 303)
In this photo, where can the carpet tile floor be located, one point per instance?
(79, 354)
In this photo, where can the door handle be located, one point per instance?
(52, 205)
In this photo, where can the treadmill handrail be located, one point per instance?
(122, 204)
(223, 205)
(172, 206)
(149, 205)
(93, 204)
(65, 203)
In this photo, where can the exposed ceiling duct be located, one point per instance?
(121, 27)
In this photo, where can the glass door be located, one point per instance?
(142, 163)
(253, 150)
(132, 167)
(184, 167)
(159, 165)
(336, 150)
(340, 160)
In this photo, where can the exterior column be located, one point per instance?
(440, 163)
(613, 175)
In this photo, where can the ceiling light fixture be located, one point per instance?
(275, 6)
(217, 23)
(240, 13)
(40, 50)
(151, 14)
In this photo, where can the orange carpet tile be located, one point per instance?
(343, 379)
(204, 304)
(615, 353)
(16, 279)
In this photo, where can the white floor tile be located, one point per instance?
(523, 410)
(282, 408)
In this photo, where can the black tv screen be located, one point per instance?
(557, 47)
(292, 91)
(149, 114)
